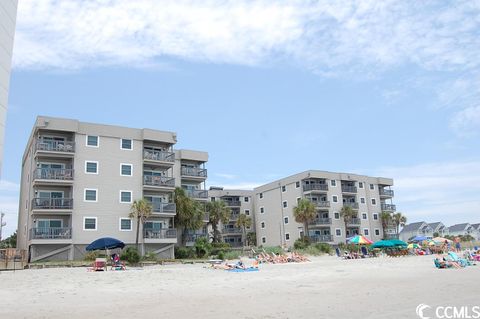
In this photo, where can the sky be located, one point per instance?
(268, 88)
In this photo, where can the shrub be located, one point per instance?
(221, 255)
(131, 255)
(324, 248)
(90, 256)
(277, 250)
(234, 254)
(301, 243)
(184, 252)
(218, 248)
(202, 247)
(150, 256)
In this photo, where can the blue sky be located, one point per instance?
(268, 89)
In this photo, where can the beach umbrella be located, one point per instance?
(105, 243)
(360, 240)
(441, 240)
(382, 244)
(419, 238)
(413, 246)
(398, 242)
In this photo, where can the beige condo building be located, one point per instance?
(79, 180)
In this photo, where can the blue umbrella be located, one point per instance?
(105, 243)
(419, 238)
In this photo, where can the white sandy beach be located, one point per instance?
(327, 287)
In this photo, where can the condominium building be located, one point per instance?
(79, 181)
(274, 205)
(239, 202)
(8, 17)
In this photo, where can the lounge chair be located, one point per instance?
(463, 262)
(364, 252)
(441, 264)
(100, 264)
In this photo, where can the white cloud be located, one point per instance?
(467, 121)
(226, 176)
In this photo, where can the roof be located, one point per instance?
(412, 226)
(458, 227)
(476, 226)
(435, 225)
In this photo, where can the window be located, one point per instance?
(212, 199)
(375, 216)
(125, 196)
(285, 220)
(336, 215)
(125, 224)
(335, 198)
(264, 240)
(126, 169)
(333, 183)
(298, 199)
(285, 204)
(126, 144)
(90, 195)
(92, 140)
(262, 225)
(284, 189)
(364, 216)
(247, 212)
(287, 236)
(365, 231)
(262, 210)
(362, 200)
(89, 223)
(338, 232)
(297, 184)
(372, 187)
(360, 184)
(91, 167)
(261, 195)
(374, 201)
(377, 232)
(246, 199)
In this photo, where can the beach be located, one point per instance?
(326, 287)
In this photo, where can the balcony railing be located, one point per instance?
(55, 146)
(169, 208)
(194, 171)
(51, 233)
(59, 174)
(162, 156)
(354, 221)
(391, 236)
(322, 221)
(388, 207)
(232, 230)
(52, 203)
(197, 193)
(352, 205)
(349, 189)
(386, 192)
(315, 187)
(234, 216)
(193, 237)
(321, 238)
(159, 233)
(232, 203)
(162, 181)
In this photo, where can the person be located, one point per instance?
(458, 247)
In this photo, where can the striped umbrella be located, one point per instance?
(360, 240)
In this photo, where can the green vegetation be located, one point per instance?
(218, 212)
(91, 255)
(243, 222)
(141, 210)
(9, 242)
(189, 213)
(303, 246)
(347, 213)
(130, 255)
(304, 213)
(202, 247)
(150, 256)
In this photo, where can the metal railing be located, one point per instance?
(391, 236)
(163, 156)
(59, 174)
(193, 237)
(194, 171)
(321, 238)
(196, 193)
(51, 233)
(349, 189)
(352, 205)
(354, 221)
(232, 230)
(386, 192)
(52, 203)
(388, 207)
(315, 187)
(322, 221)
(164, 208)
(55, 146)
(159, 233)
(232, 203)
(163, 181)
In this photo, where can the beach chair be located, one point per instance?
(100, 264)
(337, 251)
(441, 265)
(364, 252)
(461, 261)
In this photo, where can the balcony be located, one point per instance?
(322, 221)
(53, 147)
(51, 233)
(197, 193)
(354, 221)
(315, 187)
(52, 175)
(52, 203)
(386, 192)
(164, 208)
(167, 236)
(321, 238)
(159, 157)
(234, 230)
(158, 181)
(232, 203)
(195, 172)
(391, 236)
(349, 189)
(192, 237)
(352, 205)
(388, 207)
(234, 216)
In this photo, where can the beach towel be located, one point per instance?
(243, 270)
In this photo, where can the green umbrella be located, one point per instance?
(397, 242)
(382, 244)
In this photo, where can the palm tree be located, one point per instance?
(386, 219)
(218, 213)
(400, 220)
(347, 213)
(141, 210)
(243, 221)
(189, 213)
(304, 213)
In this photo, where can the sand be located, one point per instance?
(327, 287)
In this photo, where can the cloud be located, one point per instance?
(467, 121)
(226, 176)
(9, 205)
